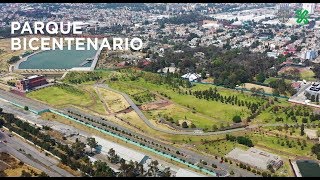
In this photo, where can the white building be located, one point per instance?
(309, 7)
(310, 54)
(192, 77)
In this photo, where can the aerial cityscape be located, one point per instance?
(215, 90)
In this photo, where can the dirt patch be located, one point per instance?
(155, 105)
(265, 88)
(14, 167)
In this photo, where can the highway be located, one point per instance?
(31, 156)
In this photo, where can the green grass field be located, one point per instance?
(307, 75)
(59, 97)
(274, 143)
(217, 110)
(179, 113)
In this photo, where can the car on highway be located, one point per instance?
(10, 135)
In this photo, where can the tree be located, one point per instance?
(14, 59)
(102, 170)
(113, 157)
(184, 124)
(203, 74)
(153, 168)
(166, 172)
(92, 143)
(236, 119)
(26, 108)
(214, 127)
(1, 110)
(43, 174)
(302, 129)
(78, 148)
(25, 174)
(193, 126)
(261, 77)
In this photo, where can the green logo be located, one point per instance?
(302, 16)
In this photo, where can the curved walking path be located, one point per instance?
(148, 123)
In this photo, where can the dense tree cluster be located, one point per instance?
(170, 79)
(316, 70)
(240, 139)
(80, 77)
(281, 87)
(14, 59)
(316, 150)
(214, 95)
(228, 68)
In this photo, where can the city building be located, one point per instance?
(310, 54)
(310, 7)
(31, 82)
(314, 89)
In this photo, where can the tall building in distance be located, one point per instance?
(309, 7)
(282, 6)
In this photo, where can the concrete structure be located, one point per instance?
(31, 82)
(185, 173)
(256, 158)
(124, 152)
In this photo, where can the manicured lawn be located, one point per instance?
(60, 97)
(179, 113)
(221, 148)
(307, 75)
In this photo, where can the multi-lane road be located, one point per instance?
(30, 155)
